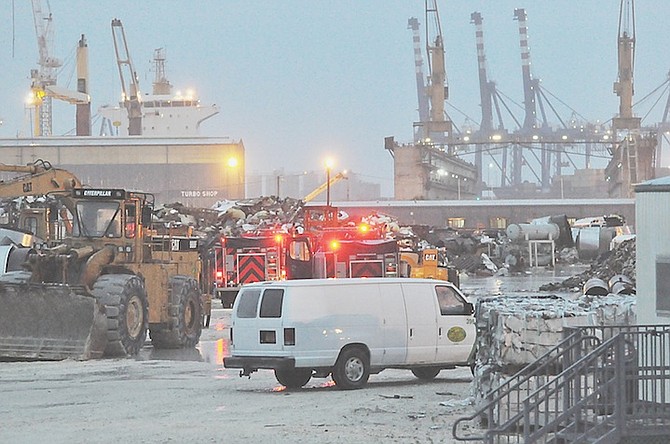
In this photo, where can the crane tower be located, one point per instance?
(45, 75)
(633, 156)
(132, 99)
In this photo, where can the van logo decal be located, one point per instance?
(456, 334)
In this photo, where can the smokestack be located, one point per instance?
(83, 109)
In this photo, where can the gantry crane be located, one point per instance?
(45, 75)
(420, 130)
(43, 83)
(633, 156)
(439, 127)
(132, 99)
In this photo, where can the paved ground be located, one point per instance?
(182, 396)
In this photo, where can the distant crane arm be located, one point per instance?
(321, 188)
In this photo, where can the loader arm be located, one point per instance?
(39, 178)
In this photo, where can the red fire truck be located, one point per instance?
(258, 257)
(326, 249)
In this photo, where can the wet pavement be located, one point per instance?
(526, 283)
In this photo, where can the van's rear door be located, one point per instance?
(257, 324)
(420, 307)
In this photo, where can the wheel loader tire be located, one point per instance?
(127, 309)
(185, 310)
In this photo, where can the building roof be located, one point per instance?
(658, 185)
(114, 141)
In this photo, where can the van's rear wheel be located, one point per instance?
(294, 377)
(352, 369)
(426, 373)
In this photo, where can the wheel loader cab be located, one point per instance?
(97, 219)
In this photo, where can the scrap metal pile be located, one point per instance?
(618, 262)
(466, 250)
(478, 252)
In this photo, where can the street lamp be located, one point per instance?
(329, 166)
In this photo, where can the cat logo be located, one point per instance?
(430, 257)
(28, 187)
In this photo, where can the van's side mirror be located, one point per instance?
(469, 308)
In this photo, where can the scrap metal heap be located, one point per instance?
(475, 252)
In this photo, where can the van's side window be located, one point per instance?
(450, 301)
(271, 303)
(248, 303)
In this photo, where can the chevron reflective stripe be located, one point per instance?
(250, 268)
(366, 269)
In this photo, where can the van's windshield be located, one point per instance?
(450, 301)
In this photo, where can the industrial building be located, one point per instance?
(196, 171)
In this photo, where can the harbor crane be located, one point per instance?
(439, 127)
(633, 156)
(131, 96)
(43, 79)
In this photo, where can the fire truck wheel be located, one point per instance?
(185, 308)
(127, 309)
(426, 373)
(352, 368)
(294, 377)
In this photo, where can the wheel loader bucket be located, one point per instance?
(50, 322)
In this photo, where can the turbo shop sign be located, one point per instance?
(199, 193)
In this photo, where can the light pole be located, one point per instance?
(488, 181)
(329, 166)
(458, 185)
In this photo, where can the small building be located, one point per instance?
(652, 215)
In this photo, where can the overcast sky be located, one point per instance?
(300, 80)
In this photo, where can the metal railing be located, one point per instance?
(600, 384)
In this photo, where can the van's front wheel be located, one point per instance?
(352, 369)
(294, 377)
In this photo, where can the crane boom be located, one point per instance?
(321, 188)
(424, 107)
(132, 99)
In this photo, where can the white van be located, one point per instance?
(350, 328)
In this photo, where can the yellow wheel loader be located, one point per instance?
(97, 288)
